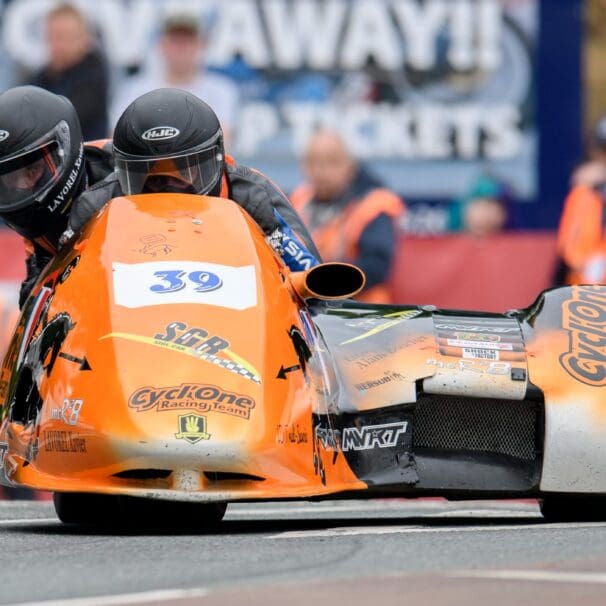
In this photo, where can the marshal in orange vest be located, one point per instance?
(582, 236)
(338, 237)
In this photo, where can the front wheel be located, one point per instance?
(134, 512)
(574, 509)
(85, 508)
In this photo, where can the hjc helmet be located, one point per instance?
(169, 140)
(42, 166)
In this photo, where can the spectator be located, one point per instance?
(582, 235)
(181, 47)
(484, 210)
(350, 215)
(582, 230)
(591, 172)
(76, 69)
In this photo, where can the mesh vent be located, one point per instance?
(490, 426)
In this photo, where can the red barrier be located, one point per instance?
(457, 271)
(502, 272)
(13, 256)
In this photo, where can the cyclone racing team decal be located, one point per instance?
(191, 396)
(584, 317)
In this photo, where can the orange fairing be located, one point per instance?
(170, 354)
(170, 323)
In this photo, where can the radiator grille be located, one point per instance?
(483, 425)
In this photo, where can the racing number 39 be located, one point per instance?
(174, 280)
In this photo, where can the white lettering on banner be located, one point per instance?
(318, 34)
(170, 282)
(421, 25)
(371, 34)
(304, 32)
(239, 31)
(386, 131)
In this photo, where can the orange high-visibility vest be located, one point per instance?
(338, 238)
(582, 232)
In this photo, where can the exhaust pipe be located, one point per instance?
(329, 281)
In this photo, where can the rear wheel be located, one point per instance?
(571, 509)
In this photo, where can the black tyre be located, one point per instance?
(136, 513)
(153, 513)
(84, 508)
(571, 509)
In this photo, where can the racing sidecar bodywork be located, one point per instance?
(169, 354)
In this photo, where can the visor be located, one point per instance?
(194, 173)
(27, 176)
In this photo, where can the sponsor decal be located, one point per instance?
(479, 344)
(196, 342)
(4, 135)
(480, 354)
(63, 195)
(192, 428)
(290, 434)
(368, 437)
(64, 442)
(329, 438)
(154, 245)
(502, 330)
(69, 412)
(376, 325)
(473, 338)
(191, 396)
(475, 365)
(584, 317)
(389, 377)
(365, 359)
(160, 133)
(368, 359)
(477, 336)
(172, 282)
(373, 436)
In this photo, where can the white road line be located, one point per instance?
(321, 509)
(495, 510)
(555, 576)
(124, 598)
(381, 530)
(28, 521)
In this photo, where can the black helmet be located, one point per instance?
(41, 161)
(169, 140)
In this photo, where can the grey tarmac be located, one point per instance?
(395, 551)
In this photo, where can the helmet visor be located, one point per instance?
(29, 175)
(192, 173)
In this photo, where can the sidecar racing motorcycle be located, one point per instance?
(169, 363)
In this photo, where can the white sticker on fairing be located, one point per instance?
(4, 135)
(480, 354)
(479, 344)
(171, 282)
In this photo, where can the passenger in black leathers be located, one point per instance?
(168, 140)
